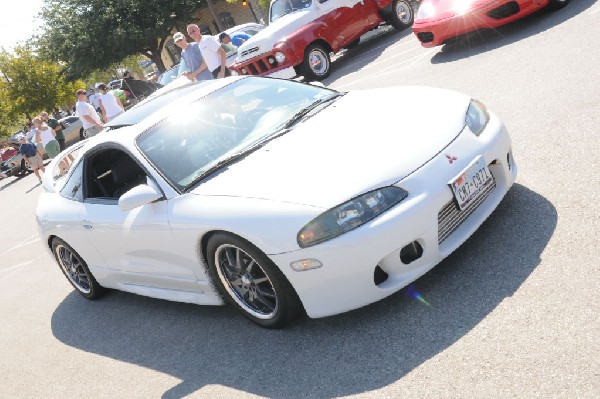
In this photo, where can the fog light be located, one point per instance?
(305, 264)
(271, 60)
(244, 71)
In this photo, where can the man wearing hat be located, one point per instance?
(194, 62)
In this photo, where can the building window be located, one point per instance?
(226, 20)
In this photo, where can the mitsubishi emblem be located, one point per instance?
(451, 159)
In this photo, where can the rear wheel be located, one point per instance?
(251, 282)
(402, 15)
(75, 270)
(316, 64)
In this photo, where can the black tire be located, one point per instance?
(317, 63)
(25, 167)
(401, 16)
(75, 270)
(557, 4)
(251, 282)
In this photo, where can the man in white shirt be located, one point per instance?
(87, 114)
(212, 52)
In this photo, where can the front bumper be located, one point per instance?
(433, 33)
(347, 280)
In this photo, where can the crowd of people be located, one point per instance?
(205, 58)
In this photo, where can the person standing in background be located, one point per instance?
(110, 105)
(197, 68)
(89, 118)
(46, 135)
(212, 52)
(57, 127)
(93, 99)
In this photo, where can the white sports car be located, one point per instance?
(277, 196)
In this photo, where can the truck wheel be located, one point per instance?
(316, 64)
(402, 15)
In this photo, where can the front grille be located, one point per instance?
(258, 66)
(425, 37)
(504, 11)
(451, 217)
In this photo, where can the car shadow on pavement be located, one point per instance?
(352, 353)
(485, 40)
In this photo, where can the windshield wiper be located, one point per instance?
(298, 116)
(218, 165)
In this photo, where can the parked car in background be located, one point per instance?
(72, 129)
(440, 21)
(249, 29)
(303, 33)
(17, 164)
(172, 73)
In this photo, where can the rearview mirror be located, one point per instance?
(138, 196)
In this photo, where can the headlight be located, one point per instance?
(280, 57)
(426, 11)
(350, 215)
(477, 117)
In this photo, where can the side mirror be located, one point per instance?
(138, 196)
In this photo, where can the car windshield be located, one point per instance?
(151, 105)
(226, 125)
(280, 8)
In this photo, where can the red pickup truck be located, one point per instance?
(302, 33)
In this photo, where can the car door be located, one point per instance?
(137, 244)
(347, 20)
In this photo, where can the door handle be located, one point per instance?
(87, 225)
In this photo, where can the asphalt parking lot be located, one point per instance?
(512, 313)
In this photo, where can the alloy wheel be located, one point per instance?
(246, 282)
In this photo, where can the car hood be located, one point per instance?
(350, 147)
(265, 40)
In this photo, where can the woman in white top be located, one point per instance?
(110, 104)
(46, 136)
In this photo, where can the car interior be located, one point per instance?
(112, 173)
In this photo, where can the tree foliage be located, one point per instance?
(29, 85)
(93, 34)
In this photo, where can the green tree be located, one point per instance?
(93, 34)
(29, 85)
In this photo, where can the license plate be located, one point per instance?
(471, 182)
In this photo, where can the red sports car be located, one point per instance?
(437, 21)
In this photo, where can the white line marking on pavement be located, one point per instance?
(29, 240)
(15, 268)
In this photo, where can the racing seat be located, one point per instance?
(126, 174)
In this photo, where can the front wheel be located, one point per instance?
(251, 282)
(316, 64)
(75, 270)
(402, 15)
